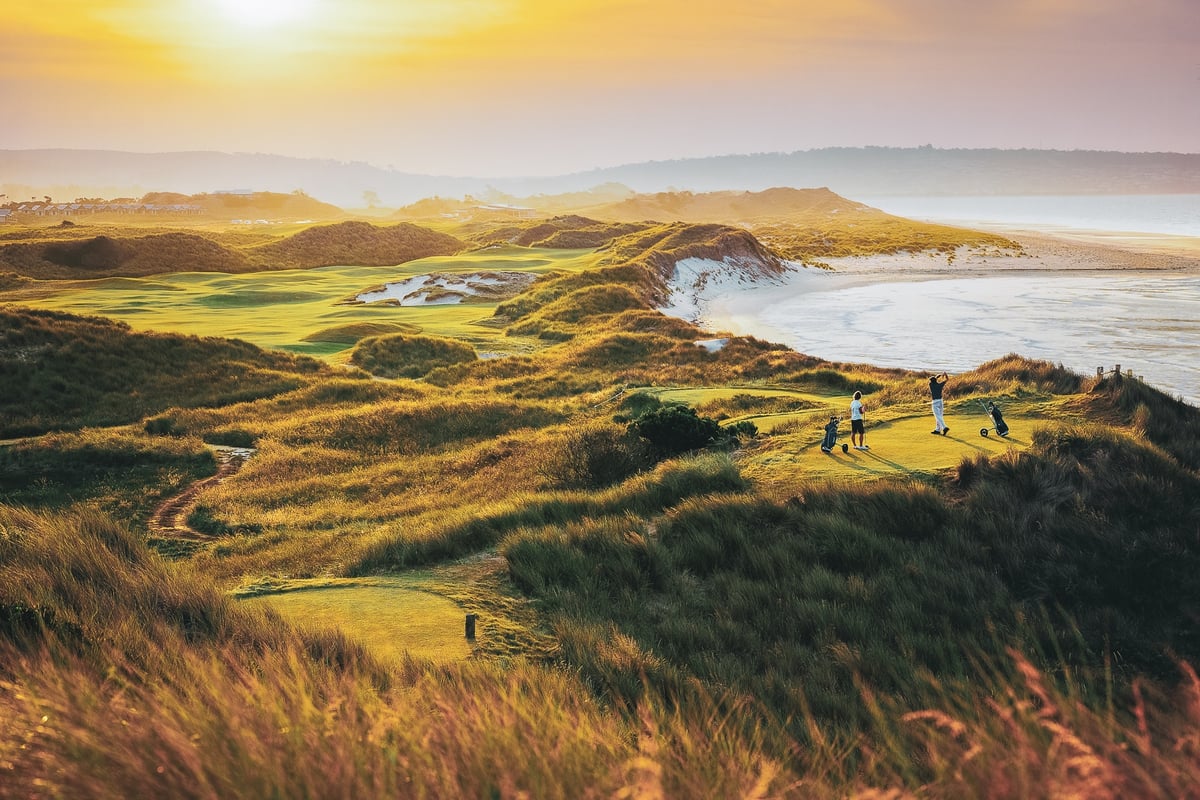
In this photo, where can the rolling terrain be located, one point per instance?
(677, 593)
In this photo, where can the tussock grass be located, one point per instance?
(402, 355)
(123, 473)
(1169, 422)
(1013, 621)
(881, 582)
(467, 530)
(61, 372)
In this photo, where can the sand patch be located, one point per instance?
(450, 288)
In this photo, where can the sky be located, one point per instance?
(543, 87)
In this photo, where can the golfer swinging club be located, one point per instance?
(935, 392)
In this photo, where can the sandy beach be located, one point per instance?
(1045, 253)
(1082, 301)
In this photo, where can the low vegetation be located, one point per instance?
(106, 250)
(674, 599)
(62, 372)
(409, 356)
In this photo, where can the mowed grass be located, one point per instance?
(386, 615)
(900, 438)
(901, 447)
(290, 309)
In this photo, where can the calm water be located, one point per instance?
(1147, 322)
(1175, 214)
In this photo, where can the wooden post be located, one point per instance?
(471, 626)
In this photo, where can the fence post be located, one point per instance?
(471, 626)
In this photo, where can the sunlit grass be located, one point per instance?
(936, 616)
(388, 617)
(290, 309)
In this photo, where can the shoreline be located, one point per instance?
(1077, 253)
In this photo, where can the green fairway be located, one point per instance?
(899, 447)
(290, 309)
(388, 616)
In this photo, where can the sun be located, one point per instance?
(266, 13)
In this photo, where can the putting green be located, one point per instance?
(387, 616)
(898, 447)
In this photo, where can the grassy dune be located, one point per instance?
(804, 224)
(101, 251)
(64, 372)
(950, 616)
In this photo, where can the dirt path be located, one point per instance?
(169, 520)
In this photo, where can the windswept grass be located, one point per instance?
(402, 355)
(63, 372)
(123, 473)
(881, 582)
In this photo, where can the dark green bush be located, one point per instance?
(675, 429)
(163, 426)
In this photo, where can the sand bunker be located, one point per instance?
(450, 288)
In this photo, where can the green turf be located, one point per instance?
(898, 447)
(289, 309)
(388, 616)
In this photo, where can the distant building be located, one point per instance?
(6, 215)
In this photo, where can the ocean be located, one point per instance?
(1169, 214)
(1145, 321)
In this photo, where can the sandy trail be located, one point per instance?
(169, 520)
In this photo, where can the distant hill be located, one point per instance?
(858, 171)
(728, 206)
(795, 224)
(866, 171)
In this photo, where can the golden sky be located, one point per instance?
(505, 87)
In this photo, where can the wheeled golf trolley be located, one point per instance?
(998, 423)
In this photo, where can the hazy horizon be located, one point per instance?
(499, 88)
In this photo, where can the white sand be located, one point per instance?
(733, 307)
(1080, 304)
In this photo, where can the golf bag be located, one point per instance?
(998, 423)
(830, 440)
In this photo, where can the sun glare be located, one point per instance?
(266, 13)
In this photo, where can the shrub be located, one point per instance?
(743, 430)
(230, 437)
(676, 429)
(163, 426)
(594, 456)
